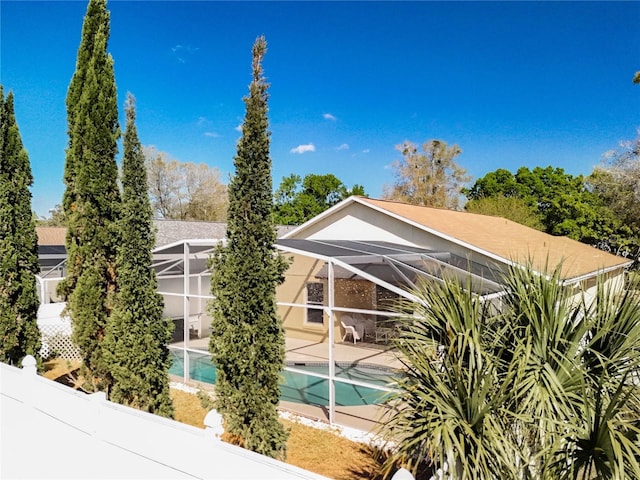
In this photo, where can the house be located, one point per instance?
(52, 255)
(379, 250)
(349, 267)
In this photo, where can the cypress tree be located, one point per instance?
(247, 339)
(91, 199)
(136, 334)
(19, 333)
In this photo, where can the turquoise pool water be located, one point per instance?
(298, 387)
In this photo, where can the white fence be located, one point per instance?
(55, 332)
(57, 344)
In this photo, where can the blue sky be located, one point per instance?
(512, 83)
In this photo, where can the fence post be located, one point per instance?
(213, 424)
(30, 375)
(403, 474)
(29, 365)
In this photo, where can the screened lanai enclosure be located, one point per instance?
(339, 307)
(338, 304)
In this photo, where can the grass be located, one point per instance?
(321, 451)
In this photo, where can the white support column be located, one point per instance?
(200, 295)
(40, 282)
(185, 309)
(332, 367)
(30, 372)
(200, 306)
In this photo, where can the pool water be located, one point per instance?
(301, 388)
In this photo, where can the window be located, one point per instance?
(315, 296)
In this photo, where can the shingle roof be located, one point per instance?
(505, 239)
(51, 235)
(168, 231)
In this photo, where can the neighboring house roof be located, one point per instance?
(496, 237)
(51, 235)
(168, 231)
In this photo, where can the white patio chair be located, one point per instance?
(349, 329)
(364, 324)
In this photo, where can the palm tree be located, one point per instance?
(605, 436)
(537, 384)
(447, 408)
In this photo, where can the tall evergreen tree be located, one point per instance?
(247, 339)
(136, 334)
(92, 199)
(19, 334)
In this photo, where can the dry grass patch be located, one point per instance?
(320, 451)
(187, 408)
(63, 371)
(327, 453)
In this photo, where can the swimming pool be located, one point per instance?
(301, 388)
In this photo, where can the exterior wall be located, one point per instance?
(358, 294)
(293, 290)
(369, 225)
(614, 281)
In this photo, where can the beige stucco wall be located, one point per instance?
(613, 281)
(293, 290)
(358, 294)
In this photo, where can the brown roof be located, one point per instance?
(51, 235)
(506, 239)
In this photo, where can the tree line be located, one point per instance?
(187, 191)
(110, 287)
(601, 209)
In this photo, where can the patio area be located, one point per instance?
(361, 352)
(305, 351)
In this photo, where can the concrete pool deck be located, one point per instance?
(298, 350)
